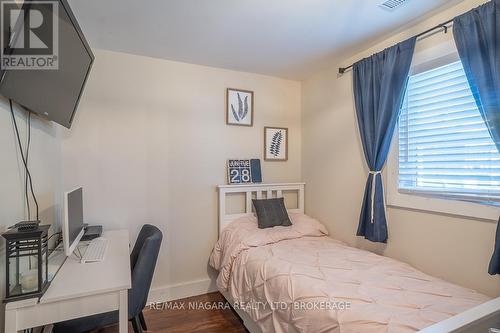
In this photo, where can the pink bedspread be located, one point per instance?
(297, 279)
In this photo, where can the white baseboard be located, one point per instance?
(181, 290)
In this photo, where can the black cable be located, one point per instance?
(27, 153)
(54, 234)
(27, 162)
(22, 156)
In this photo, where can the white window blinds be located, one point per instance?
(444, 145)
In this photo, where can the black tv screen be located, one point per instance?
(52, 93)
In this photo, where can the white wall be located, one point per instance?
(45, 167)
(454, 248)
(149, 144)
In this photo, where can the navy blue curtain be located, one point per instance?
(477, 36)
(494, 267)
(379, 86)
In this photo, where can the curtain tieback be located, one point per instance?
(374, 180)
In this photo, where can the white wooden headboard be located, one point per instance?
(261, 191)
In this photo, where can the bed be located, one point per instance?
(299, 279)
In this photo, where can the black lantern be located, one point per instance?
(26, 263)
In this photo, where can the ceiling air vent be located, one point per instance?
(392, 4)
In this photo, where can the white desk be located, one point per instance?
(80, 290)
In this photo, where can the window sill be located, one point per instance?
(441, 205)
(452, 196)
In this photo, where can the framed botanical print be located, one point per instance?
(239, 107)
(275, 144)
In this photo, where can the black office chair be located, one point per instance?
(142, 261)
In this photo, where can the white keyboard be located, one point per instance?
(95, 250)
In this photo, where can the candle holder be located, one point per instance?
(26, 263)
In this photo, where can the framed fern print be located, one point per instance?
(239, 107)
(275, 144)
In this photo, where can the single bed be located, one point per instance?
(298, 279)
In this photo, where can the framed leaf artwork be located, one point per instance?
(275, 144)
(239, 107)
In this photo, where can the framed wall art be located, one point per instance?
(239, 107)
(275, 144)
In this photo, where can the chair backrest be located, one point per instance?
(143, 262)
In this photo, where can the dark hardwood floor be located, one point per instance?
(197, 314)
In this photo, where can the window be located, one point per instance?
(444, 146)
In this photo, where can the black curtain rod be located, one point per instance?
(443, 26)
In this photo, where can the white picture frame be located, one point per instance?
(239, 107)
(275, 144)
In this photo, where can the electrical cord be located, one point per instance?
(27, 162)
(23, 158)
(54, 234)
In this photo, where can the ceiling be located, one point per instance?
(284, 38)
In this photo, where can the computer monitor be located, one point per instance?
(72, 228)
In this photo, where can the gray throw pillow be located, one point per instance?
(271, 213)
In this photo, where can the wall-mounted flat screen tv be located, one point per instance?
(51, 93)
